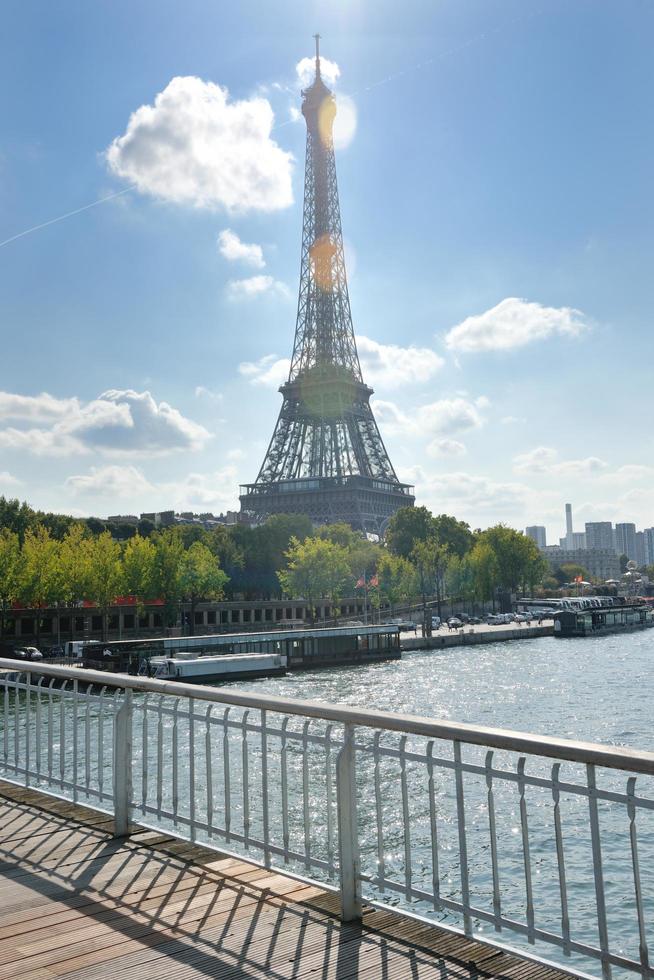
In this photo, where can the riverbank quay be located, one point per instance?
(469, 635)
(81, 903)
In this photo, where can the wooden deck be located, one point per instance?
(76, 902)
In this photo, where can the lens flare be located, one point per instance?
(345, 124)
(322, 256)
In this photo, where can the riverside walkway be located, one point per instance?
(470, 635)
(76, 902)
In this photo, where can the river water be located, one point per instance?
(596, 689)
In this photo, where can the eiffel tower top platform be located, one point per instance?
(326, 457)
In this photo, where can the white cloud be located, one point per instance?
(118, 422)
(446, 417)
(468, 497)
(446, 447)
(256, 286)
(203, 491)
(270, 371)
(111, 481)
(40, 442)
(514, 323)
(630, 473)
(212, 396)
(545, 460)
(7, 480)
(214, 491)
(195, 146)
(35, 408)
(233, 249)
(306, 71)
(390, 366)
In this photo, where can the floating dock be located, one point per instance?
(302, 648)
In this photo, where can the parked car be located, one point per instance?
(494, 620)
(436, 622)
(404, 624)
(454, 623)
(27, 653)
(57, 651)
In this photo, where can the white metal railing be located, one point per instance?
(480, 829)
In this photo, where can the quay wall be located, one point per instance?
(471, 635)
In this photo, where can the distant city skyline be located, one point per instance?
(498, 224)
(622, 539)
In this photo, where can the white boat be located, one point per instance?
(188, 667)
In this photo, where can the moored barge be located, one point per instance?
(594, 617)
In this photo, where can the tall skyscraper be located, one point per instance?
(326, 457)
(599, 536)
(625, 540)
(648, 534)
(538, 534)
(569, 533)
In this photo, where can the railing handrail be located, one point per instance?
(588, 753)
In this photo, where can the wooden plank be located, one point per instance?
(81, 904)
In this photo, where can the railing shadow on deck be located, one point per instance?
(212, 918)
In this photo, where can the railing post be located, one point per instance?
(348, 838)
(122, 781)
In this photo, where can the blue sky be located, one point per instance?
(497, 205)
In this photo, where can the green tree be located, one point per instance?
(17, 517)
(316, 569)
(224, 546)
(397, 579)
(169, 553)
(75, 564)
(483, 562)
(513, 553)
(139, 559)
(455, 535)
(11, 573)
(145, 527)
(200, 577)
(95, 525)
(408, 526)
(41, 582)
(460, 579)
(106, 579)
(536, 569)
(430, 560)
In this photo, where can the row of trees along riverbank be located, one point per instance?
(49, 560)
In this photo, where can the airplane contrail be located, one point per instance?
(69, 214)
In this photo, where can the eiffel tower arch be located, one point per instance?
(326, 457)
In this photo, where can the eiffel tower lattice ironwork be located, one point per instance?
(326, 457)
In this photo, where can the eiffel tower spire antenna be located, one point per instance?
(326, 457)
(317, 40)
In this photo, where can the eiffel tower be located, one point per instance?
(326, 457)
